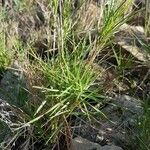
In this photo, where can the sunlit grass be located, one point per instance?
(143, 127)
(68, 76)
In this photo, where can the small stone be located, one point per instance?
(80, 143)
(111, 147)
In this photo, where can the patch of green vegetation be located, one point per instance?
(4, 56)
(147, 18)
(67, 91)
(68, 75)
(143, 127)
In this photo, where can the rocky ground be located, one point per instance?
(125, 93)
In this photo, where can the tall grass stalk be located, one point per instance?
(4, 55)
(114, 15)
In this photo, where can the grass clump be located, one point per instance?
(114, 15)
(67, 81)
(67, 90)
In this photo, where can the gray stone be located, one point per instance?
(111, 147)
(13, 85)
(8, 115)
(80, 143)
(119, 126)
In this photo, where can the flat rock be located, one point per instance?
(118, 128)
(13, 85)
(80, 143)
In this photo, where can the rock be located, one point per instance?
(119, 126)
(87, 17)
(7, 114)
(111, 147)
(13, 85)
(127, 39)
(122, 113)
(13, 97)
(130, 105)
(80, 143)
